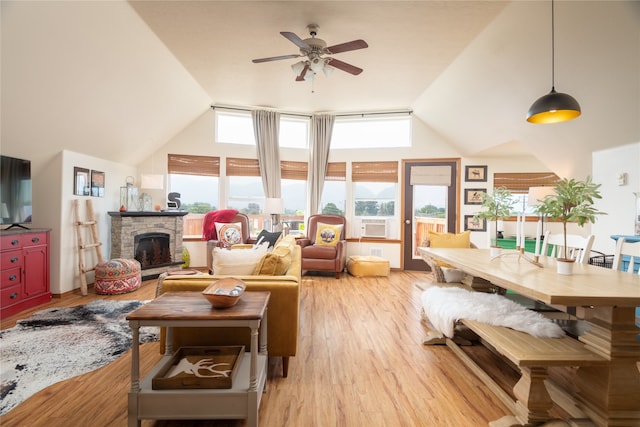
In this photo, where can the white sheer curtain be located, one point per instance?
(266, 126)
(321, 130)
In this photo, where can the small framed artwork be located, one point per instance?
(473, 196)
(475, 173)
(81, 182)
(474, 224)
(97, 184)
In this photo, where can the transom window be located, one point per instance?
(236, 127)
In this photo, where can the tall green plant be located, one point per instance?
(572, 202)
(497, 206)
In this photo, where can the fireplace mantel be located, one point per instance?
(147, 213)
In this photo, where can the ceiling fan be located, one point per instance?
(313, 49)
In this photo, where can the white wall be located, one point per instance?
(617, 200)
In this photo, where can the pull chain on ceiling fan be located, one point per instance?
(315, 49)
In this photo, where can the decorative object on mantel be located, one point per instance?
(129, 195)
(572, 201)
(553, 107)
(224, 293)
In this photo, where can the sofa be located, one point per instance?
(283, 308)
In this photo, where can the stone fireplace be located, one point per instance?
(153, 238)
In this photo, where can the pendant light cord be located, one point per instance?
(553, 48)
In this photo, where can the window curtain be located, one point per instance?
(266, 126)
(321, 130)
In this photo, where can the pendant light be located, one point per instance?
(553, 107)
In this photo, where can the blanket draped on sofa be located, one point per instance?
(210, 219)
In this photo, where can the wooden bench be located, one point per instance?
(532, 356)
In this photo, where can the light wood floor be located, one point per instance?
(360, 362)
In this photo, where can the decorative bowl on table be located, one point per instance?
(224, 293)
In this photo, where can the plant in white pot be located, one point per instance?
(572, 201)
(497, 207)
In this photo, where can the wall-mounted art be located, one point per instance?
(473, 196)
(97, 184)
(81, 182)
(475, 173)
(474, 224)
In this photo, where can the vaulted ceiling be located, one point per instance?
(130, 75)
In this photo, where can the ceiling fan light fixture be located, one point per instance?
(309, 76)
(327, 70)
(297, 67)
(553, 107)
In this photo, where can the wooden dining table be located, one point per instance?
(604, 298)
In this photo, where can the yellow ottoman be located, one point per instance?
(367, 266)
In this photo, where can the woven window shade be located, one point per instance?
(520, 182)
(193, 165)
(430, 175)
(374, 172)
(294, 170)
(336, 171)
(242, 167)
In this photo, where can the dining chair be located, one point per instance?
(626, 249)
(578, 247)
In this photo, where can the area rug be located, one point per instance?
(60, 343)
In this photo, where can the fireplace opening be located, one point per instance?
(152, 249)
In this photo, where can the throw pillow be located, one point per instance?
(239, 262)
(452, 275)
(265, 236)
(449, 240)
(229, 233)
(274, 263)
(328, 234)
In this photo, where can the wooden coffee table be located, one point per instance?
(191, 309)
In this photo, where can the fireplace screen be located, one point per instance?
(152, 249)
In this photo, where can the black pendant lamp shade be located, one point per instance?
(553, 107)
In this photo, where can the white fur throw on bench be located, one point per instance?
(444, 306)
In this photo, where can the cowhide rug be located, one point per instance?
(59, 343)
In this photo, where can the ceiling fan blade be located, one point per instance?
(336, 63)
(275, 58)
(300, 78)
(345, 47)
(295, 39)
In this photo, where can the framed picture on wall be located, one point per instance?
(475, 173)
(97, 184)
(473, 196)
(474, 224)
(81, 182)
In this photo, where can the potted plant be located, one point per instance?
(572, 202)
(497, 206)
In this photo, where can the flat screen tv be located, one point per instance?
(15, 191)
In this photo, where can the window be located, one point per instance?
(294, 191)
(334, 191)
(375, 188)
(237, 128)
(195, 178)
(519, 183)
(378, 132)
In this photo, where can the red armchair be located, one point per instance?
(323, 256)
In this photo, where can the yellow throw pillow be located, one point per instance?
(274, 263)
(449, 240)
(328, 234)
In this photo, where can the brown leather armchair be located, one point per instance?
(317, 257)
(246, 238)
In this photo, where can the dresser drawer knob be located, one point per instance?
(14, 295)
(15, 259)
(13, 277)
(15, 242)
(35, 240)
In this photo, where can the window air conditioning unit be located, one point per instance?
(373, 227)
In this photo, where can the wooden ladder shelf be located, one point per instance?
(82, 247)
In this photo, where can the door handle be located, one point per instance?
(407, 221)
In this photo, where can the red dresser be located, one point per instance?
(24, 270)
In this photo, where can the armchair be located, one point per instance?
(324, 256)
(241, 218)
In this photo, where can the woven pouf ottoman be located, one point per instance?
(367, 266)
(117, 276)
